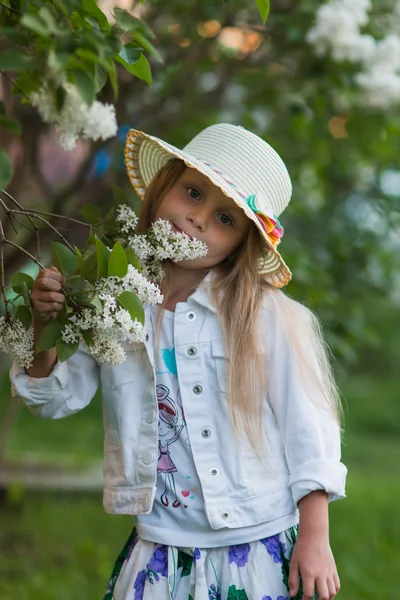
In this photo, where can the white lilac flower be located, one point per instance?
(76, 117)
(147, 292)
(17, 341)
(100, 121)
(337, 30)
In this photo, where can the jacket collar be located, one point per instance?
(202, 294)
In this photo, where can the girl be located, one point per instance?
(256, 451)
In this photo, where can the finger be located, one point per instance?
(52, 273)
(336, 582)
(46, 307)
(47, 284)
(321, 587)
(309, 588)
(294, 578)
(332, 591)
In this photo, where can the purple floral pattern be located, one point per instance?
(139, 584)
(239, 554)
(148, 565)
(275, 547)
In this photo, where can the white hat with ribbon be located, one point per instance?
(241, 164)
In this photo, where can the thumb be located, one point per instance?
(294, 578)
(54, 269)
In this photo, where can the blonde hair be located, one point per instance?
(238, 279)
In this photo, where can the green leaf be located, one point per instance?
(57, 60)
(47, 18)
(118, 262)
(103, 255)
(100, 78)
(35, 23)
(62, 317)
(88, 336)
(10, 124)
(17, 279)
(144, 42)
(132, 304)
(63, 258)
(141, 69)
(185, 561)
(6, 169)
(14, 60)
(74, 283)
(24, 315)
(86, 86)
(65, 350)
(112, 74)
(131, 53)
(49, 335)
(263, 8)
(90, 6)
(21, 37)
(133, 259)
(91, 213)
(119, 194)
(25, 293)
(28, 82)
(127, 22)
(96, 302)
(235, 594)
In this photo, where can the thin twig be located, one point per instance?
(10, 8)
(42, 220)
(32, 212)
(10, 243)
(7, 76)
(2, 274)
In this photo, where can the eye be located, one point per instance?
(194, 193)
(225, 219)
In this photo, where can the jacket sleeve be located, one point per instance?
(311, 435)
(69, 387)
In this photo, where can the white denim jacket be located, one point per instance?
(303, 442)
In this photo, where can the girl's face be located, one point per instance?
(197, 207)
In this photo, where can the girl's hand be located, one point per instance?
(46, 298)
(312, 558)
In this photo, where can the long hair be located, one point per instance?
(238, 279)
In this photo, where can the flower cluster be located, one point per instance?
(17, 341)
(76, 117)
(158, 244)
(338, 31)
(113, 324)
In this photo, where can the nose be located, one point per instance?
(198, 218)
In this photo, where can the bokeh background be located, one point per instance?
(342, 242)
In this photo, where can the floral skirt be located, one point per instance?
(255, 571)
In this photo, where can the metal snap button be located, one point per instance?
(191, 316)
(197, 389)
(206, 433)
(192, 351)
(148, 457)
(147, 337)
(225, 515)
(214, 472)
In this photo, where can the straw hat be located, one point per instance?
(241, 164)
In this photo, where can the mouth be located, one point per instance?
(179, 230)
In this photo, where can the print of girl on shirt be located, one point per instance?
(170, 424)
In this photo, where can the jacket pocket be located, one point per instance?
(115, 376)
(222, 364)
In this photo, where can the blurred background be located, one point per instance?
(342, 242)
